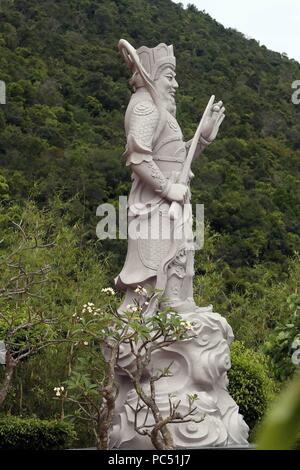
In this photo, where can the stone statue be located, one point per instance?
(161, 255)
(156, 154)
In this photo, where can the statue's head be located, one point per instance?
(155, 66)
(160, 64)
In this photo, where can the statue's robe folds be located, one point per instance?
(157, 245)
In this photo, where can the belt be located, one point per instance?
(168, 158)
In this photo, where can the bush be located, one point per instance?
(285, 341)
(35, 434)
(250, 384)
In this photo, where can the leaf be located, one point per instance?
(281, 426)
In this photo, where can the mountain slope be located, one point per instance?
(67, 94)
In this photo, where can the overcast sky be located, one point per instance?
(274, 23)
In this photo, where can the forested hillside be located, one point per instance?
(62, 128)
(62, 137)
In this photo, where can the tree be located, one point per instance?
(23, 330)
(93, 383)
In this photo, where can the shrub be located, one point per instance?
(250, 384)
(285, 342)
(35, 434)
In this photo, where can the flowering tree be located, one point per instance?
(93, 386)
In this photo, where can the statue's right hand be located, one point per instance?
(177, 192)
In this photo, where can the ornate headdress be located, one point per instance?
(156, 58)
(145, 61)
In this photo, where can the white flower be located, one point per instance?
(187, 325)
(108, 290)
(141, 291)
(90, 304)
(86, 343)
(85, 306)
(58, 391)
(146, 303)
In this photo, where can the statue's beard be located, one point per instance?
(170, 105)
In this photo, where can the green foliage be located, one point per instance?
(31, 331)
(280, 429)
(253, 299)
(283, 345)
(35, 434)
(32, 392)
(250, 384)
(47, 242)
(73, 277)
(3, 188)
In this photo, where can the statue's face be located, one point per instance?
(166, 86)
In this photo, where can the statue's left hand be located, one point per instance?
(213, 121)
